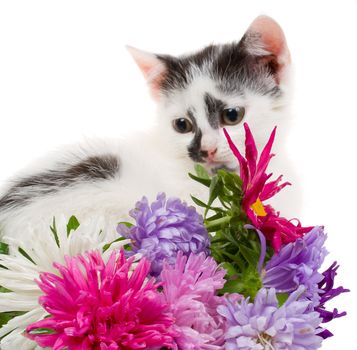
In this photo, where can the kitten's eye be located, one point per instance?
(232, 116)
(182, 125)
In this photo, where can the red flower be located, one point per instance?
(257, 189)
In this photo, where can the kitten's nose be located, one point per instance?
(211, 153)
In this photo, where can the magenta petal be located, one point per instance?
(251, 152)
(276, 243)
(253, 193)
(44, 340)
(243, 166)
(272, 188)
(265, 155)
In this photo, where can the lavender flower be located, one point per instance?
(164, 228)
(263, 325)
(327, 292)
(297, 264)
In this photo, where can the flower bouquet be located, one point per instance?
(240, 277)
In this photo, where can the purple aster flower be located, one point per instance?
(297, 264)
(263, 325)
(190, 291)
(327, 292)
(164, 228)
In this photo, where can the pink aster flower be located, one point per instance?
(189, 288)
(257, 189)
(95, 305)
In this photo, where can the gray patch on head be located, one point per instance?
(179, 69)
(213, 107)
(238, 70)
(29, 188)
(194, 148)
(234, 67)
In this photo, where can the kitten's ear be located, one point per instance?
(265, 38)
(152, 68)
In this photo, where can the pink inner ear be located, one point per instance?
(272, 36)
(145, 67)
(151, 67)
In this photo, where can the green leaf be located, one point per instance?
(4, 290)
(236, 259)
(198, 202)
(214, 190)
(28, 257)
(232, 286)
(282, 298)
(4, 248)
(220, 214)
(201, 172)
(204, 205)
(127, 224)
(247, 283)
(72, 225)
(53, 229)
(107, 246)
(5, 317)
(217, 223)
(203, 181)
(231, 271)
(249, 255)
(42, 331)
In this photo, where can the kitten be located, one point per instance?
(197, 95)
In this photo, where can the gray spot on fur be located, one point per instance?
(194, 149)
(233, 66)
(27, 189)
(214, 108)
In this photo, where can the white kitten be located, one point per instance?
(197, 95)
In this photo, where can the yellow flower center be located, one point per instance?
(258, 208)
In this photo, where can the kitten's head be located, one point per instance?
(219, 87)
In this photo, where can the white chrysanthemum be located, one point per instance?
(44, 247)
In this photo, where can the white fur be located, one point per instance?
(157, 161)
(149, 163)
(145, 169)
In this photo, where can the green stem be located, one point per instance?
(218, 222)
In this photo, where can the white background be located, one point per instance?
(65, 74)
